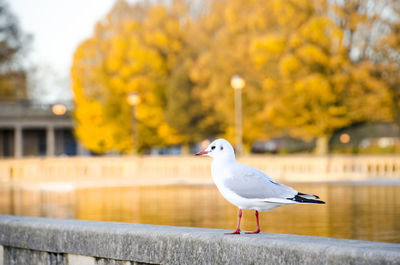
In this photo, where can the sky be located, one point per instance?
(57, 28)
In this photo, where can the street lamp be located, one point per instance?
(238, 83)
(133, 100)
(59, 109)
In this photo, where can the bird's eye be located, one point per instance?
(222, 148)
(212, 147)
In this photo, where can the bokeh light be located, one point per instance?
(345, 138)
(59, 109)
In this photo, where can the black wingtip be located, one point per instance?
(300, 199)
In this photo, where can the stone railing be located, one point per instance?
(193, 170)
(29, 240)
(329, 168)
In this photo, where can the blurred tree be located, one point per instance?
(318, 87)
(223, 39)
(133, 49)
(12, 42)
(387, 51)
(183, 110)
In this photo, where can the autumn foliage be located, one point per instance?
(311, 68)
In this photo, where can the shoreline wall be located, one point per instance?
(32, 240)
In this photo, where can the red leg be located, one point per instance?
(237, 231)
(258, 226)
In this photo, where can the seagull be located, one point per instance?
(247, 187)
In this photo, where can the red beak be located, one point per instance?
(201, 153)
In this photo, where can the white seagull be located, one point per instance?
(247, 187)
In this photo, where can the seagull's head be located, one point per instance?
(219, 149)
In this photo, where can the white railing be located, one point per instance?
(167, 170)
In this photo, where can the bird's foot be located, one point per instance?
(236, 232)
(254, 232)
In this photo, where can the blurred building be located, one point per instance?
(284, 144)
(29, 129)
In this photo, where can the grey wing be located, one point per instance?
(251, 183)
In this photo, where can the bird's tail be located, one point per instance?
(306, 198)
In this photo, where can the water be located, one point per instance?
(367, 212)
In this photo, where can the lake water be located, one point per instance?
(367, 212)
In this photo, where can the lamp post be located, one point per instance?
(133, 100)
(238, 83)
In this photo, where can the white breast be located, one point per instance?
(219, 176)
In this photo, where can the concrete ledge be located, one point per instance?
(182, 245)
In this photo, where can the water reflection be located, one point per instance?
(356, 212)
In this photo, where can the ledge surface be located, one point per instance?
(184, 245)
